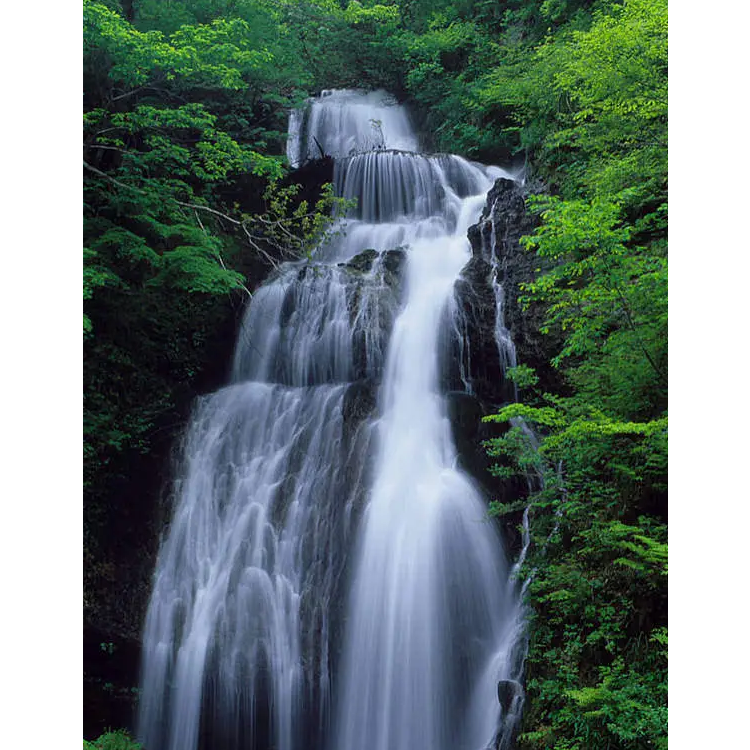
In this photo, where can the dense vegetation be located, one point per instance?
(590, 101)
(187, 203)
(119, 740)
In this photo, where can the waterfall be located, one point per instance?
(329, 578)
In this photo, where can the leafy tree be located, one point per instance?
(187, 205)
(596, 665)
(589, 101)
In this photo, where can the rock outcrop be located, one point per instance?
(496, 236)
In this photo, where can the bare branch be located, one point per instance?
(251, 238)
(105, 148)
(129, 93)
(218, 254)
(111, 179)
(213, 211)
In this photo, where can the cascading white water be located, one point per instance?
(237, 632)
(329, 579)
(344, 122)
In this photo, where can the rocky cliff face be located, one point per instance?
(503, 222)
(474, 350)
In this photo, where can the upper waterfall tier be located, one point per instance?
(345, 122)
(396, 185)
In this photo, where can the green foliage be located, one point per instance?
(443, 60)
(344, 45)
(607, 297)
(157, 167)
(591, 102)
(522, 375)
(302, 228)
(355, 13)
(598, 566)
(119, 740)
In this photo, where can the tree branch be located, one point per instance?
(111, 179)
(218, 254)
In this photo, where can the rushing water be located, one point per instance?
(329, 579)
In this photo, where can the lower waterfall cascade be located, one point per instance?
(330, 579)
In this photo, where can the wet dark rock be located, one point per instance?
(362, 262)
(481, 359)
(510, 695)
(393, 263)
(373, 302)
(359, 409)
(506, 208)
(465, 412)
(507, 690)
(360, 401)
(311, 176)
